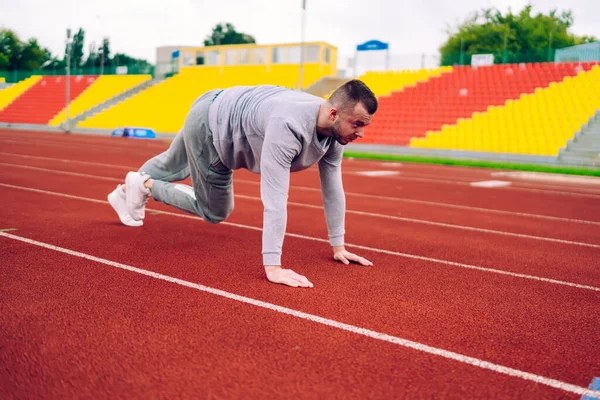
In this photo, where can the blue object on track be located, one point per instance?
(144, 133)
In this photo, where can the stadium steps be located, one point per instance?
(115, 100)
(584, 148)
(44, 100)
(104, 88)
(325, 86)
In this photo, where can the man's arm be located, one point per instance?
(332, 193)
(334, 202)
(279, 149)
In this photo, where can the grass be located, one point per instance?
(476, 163)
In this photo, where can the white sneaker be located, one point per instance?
(136, 194)
(118, 202)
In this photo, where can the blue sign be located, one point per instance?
(372, 45)
(175, 54)
(595, 385)
(143, 133)
(117, 132)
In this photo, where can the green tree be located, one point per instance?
(104, 53)
(139, 65)
(226, 34)
(93, 58)
(124, 59)
(32, 56)
(15, 54)
(10, 48)
(3, 62)
(55, 63)
(521, 37)
(77, 48)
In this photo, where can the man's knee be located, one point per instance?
(215, 218)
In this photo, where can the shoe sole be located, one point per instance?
(112, 200)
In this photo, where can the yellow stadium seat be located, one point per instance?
(9, 94)
(104, 88)
(538, 123)
(163, 107)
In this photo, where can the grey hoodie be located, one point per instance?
(271, 131)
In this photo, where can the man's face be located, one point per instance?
(350, 125)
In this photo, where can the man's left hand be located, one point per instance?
(341, 254)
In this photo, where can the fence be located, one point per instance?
(379, 61)
(19, 75)
(367, 62)
(532, 56)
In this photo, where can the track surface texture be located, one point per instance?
(475, 292)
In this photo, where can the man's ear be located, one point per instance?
(334, 114)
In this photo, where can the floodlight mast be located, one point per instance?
(302, 45)
(68, 86)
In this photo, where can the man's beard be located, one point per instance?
(335, 132)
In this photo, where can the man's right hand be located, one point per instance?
(276, 274)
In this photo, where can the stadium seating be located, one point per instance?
(382, 83)
(512, 108)
(163, 107)
(103, 89)
(443, 100)
(11, 93)
(539, 123)
(42, 101)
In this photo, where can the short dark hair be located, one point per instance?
(346, 96)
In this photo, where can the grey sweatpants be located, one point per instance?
(192, 153)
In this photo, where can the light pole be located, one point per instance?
(68, 50)
(302, 45)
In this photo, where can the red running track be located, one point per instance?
(74, 327)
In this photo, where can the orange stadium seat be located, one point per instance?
(45, 99)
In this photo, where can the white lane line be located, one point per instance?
(578, 189)
(580, 192)
(539, 184)
(374, 173)
(441, 224)
(97, 147)
(511, 188)
(443, 205)
(384, 216)
(490, 184)
(153, 147)
(59, 172)
(549, 191)
(66, 161)
(529, 176)
(416, 177)
(399, 199)
(476, 362)
(453, 181)
(314, 239)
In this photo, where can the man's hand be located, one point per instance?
(340, 254)
(288, 277)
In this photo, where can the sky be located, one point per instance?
(137, 27)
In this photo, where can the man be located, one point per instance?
(268, 130)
